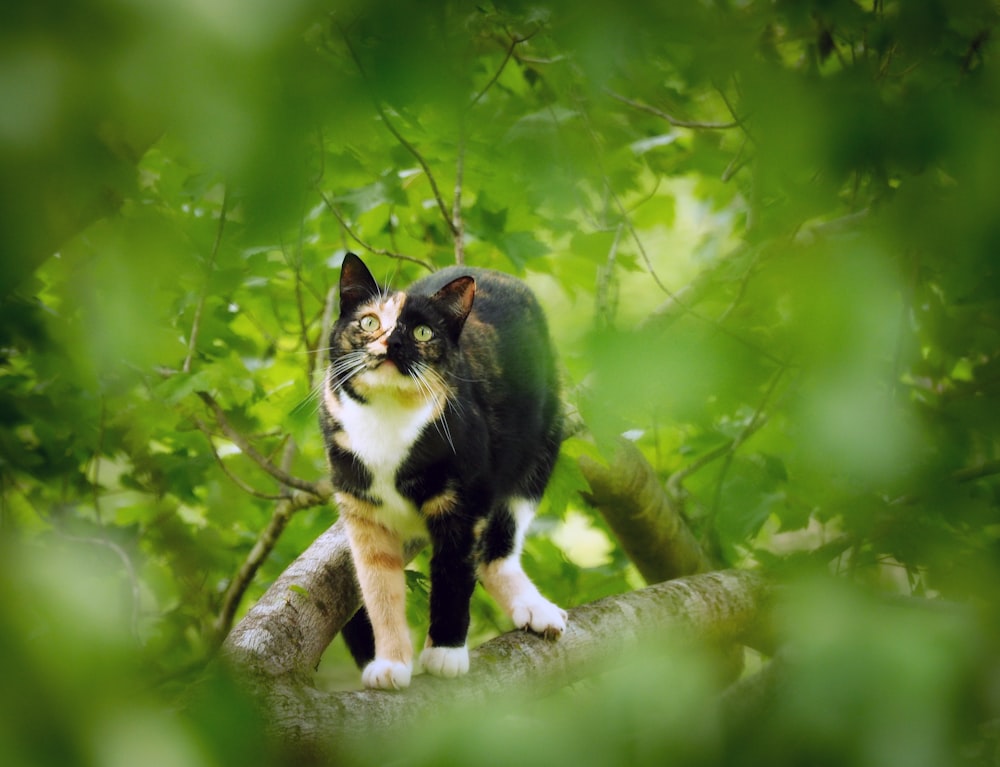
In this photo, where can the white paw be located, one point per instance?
(382, 674)
(539, 615)
(445, 661)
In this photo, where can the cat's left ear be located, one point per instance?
(455, 299)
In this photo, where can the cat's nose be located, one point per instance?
(395, 343)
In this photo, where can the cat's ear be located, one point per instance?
(455, 300)
(356, 284)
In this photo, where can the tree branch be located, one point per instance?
(251, 452)
(200, 306)
(244, 486)
(674, 121)
(423, 164)
(377, 251)
(648, 524)
(716, 607)
(262, 547)
(456, 208)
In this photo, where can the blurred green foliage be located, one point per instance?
(764, 231)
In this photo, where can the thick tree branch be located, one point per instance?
(648, 524)
(712, 608)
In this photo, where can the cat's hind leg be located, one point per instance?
(500, 571)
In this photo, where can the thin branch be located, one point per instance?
(736, 164)
(741, 292)
(200, 306)
(741, 121)
(326, 324)
(606, 304)
(423, 164)
(244, 445)
(972, 473)
(126, 561)
(514, 42)
(377, 251)
(456, 209)
(246, 488)
(753, 426)
(401, 139)
(627, 220)
(674, 121)
(299, 300)
(262, 547)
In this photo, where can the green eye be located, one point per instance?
(423, 333)
(369, 323)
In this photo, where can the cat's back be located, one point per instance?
(505, 343)
(502, 302)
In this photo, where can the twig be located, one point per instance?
(402, 140)
(243, 444)
(456, 208)
(377, 251)
(756, 422)
(605, 303)
(741, 292)
(326, 324)
(674, 121)
(130, 571)
(423, 164)
(514, 42)
(677, 478)
(972, 473)
(200, 306)
(736, 164)
(246, 488)
(262, 547)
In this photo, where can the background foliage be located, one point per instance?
(766, 235)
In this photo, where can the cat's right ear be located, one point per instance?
(455, 299)
(356, 284)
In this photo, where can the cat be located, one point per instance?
(441, 418)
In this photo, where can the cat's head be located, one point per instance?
(396, 341)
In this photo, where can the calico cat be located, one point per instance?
(441, 418)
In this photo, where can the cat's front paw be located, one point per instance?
(445, 661)
(539, 615)
(382, 674)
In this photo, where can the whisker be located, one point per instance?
(347, 366)
(315, 392)
(421, 374)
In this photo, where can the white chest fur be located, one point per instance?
(381, 433)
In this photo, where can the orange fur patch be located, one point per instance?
(441, 504)
(378, 562)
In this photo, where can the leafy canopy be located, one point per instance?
(765, 234)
